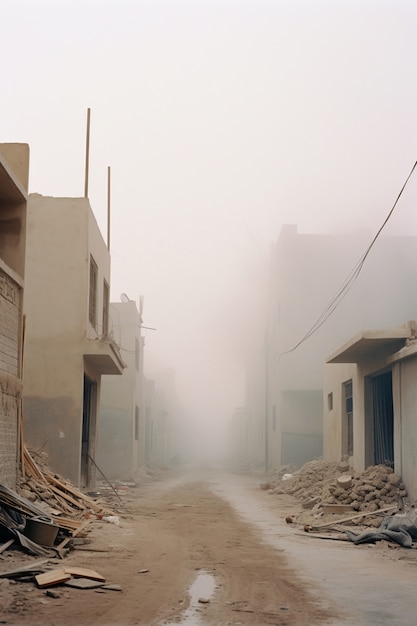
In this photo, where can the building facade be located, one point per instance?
(67, 344)
(14, 177)
(370, 400)
(121, 437)
(305, 321)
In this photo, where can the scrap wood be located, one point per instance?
(54, 577)
(74, 534)
(6, 545)
(31, 466)
(66, 523)
(71, 490)
(67, 497)
(18, 503)
(84, 572)
(353, 517)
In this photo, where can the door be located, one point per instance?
(88, 430)
(383, 419)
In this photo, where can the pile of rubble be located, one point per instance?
(329, 487)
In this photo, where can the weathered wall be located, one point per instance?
(14, 173)
(61, 234)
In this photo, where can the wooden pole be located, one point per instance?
(108, 208)
(87, 154)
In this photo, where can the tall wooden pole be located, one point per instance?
(108, 208)
(87, 154)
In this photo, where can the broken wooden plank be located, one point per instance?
(67, 497)
(84, 572)
(74, 534)
(6, 545)
(54, 577)
(353, 517)
(64, 486)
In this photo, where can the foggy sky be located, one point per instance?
(221, 121)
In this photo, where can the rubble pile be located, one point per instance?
(55, 495)
(320, 483)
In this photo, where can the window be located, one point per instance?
(106, 298)
(347, 416)
(92, 305)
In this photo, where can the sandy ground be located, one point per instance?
(170, 532)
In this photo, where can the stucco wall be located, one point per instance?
(119, 452)
(61, 235)
(406, 466)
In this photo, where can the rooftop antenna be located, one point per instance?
(87, 153)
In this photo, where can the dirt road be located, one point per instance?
(173, 535)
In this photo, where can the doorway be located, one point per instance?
(88, 430)
(383, 419)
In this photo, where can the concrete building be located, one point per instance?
(285, 394)
(370, 399)
(67, 345)
(121, 436)
(14, 177)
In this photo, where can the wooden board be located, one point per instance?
(84, 572)
(54, 577)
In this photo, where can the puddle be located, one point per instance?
(200, 593)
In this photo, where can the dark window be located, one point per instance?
(348, 418)
(92, 305)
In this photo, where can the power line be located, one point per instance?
(350, 279)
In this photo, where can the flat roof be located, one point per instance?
(365, 344)
(11, 191)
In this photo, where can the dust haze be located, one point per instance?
(221, 121)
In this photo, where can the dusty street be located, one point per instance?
(223, 537)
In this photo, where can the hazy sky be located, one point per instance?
(220, 120)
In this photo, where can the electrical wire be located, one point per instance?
(350, 279)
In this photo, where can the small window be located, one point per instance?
(92, 307)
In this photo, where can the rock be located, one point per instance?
(345, 481)
(394, 479)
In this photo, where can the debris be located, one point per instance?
(400, 528)
(112, 587)
(344, 481)
(83, 572)
(54, 577)
(352, 517)
(83, 583)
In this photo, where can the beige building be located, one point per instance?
(285, 382)
(370, 400)
(121, 436)
(67, 345)
(14, 175)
